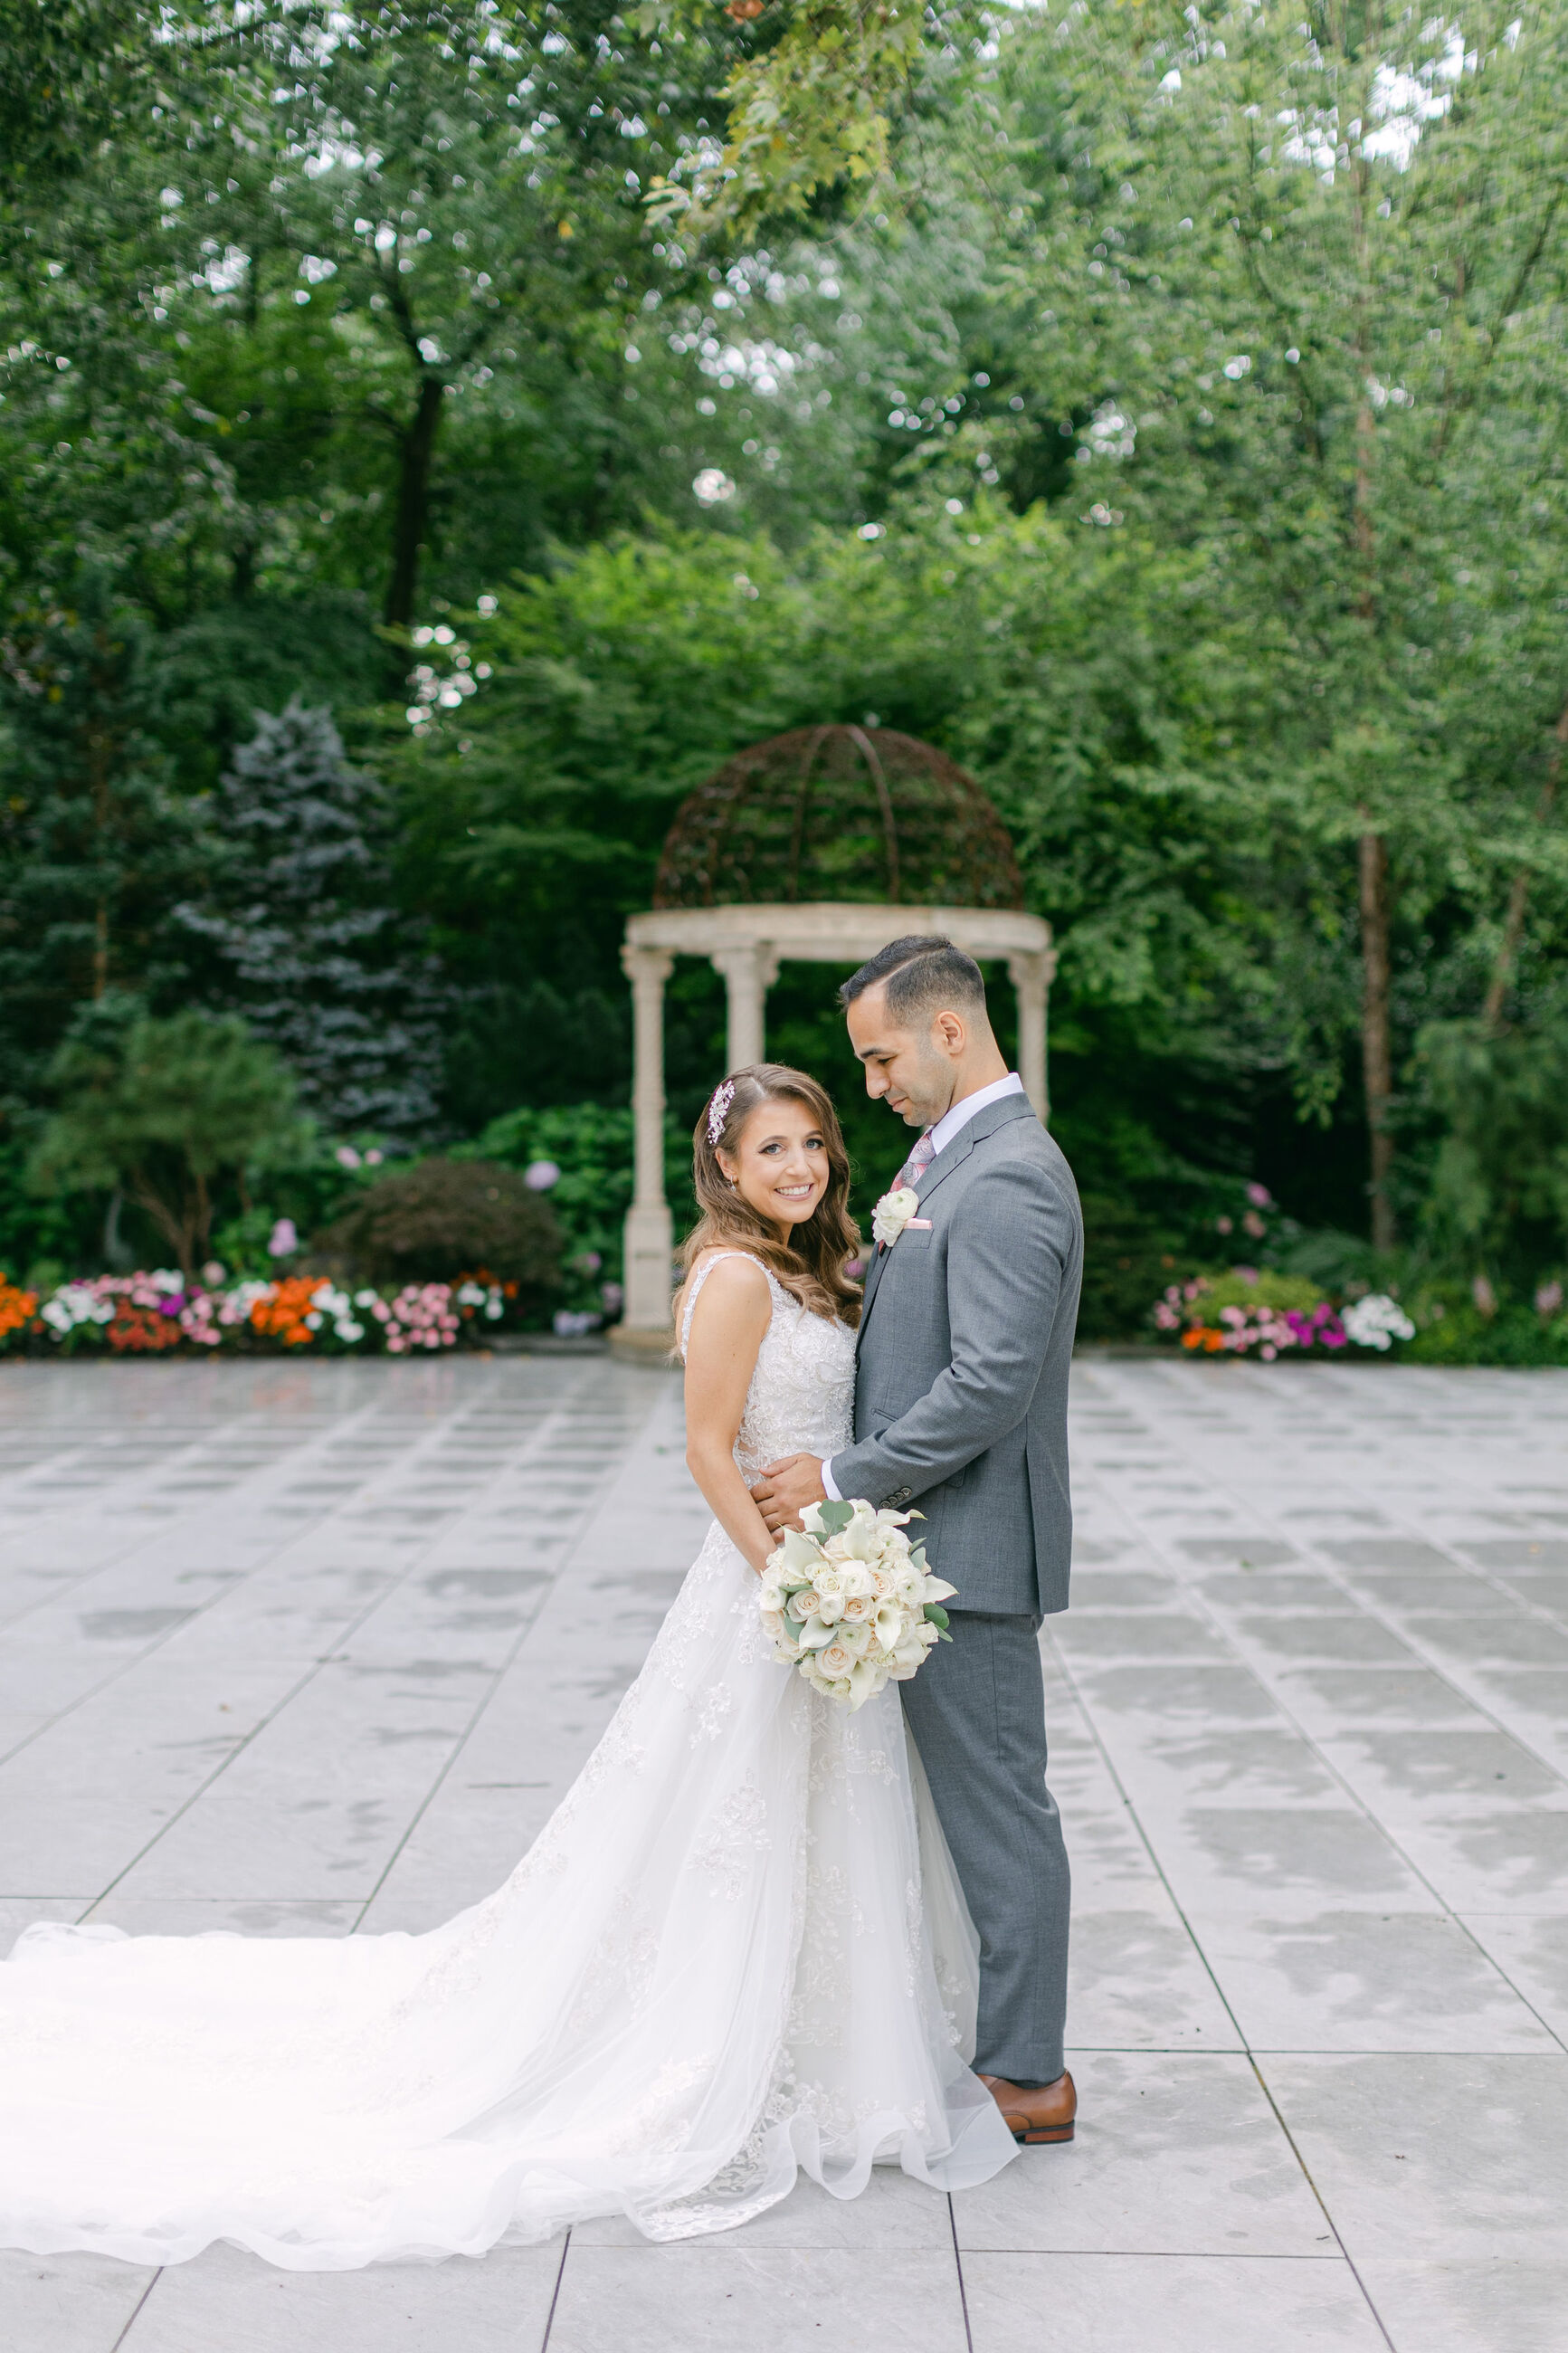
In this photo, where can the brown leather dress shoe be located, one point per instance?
(1033, 2117)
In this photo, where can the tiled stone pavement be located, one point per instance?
(316, 1647)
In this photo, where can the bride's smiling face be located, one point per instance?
(779, 1166)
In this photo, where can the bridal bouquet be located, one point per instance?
(851, 1603)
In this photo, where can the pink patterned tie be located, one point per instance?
(918, 1161)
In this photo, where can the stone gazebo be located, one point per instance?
(822, 845)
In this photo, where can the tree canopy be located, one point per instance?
(1160, 410)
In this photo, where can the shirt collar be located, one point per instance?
(959, 1117)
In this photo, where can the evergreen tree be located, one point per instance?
(334, 981)
(94, 848)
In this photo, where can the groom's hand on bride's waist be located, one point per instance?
(786, 1488)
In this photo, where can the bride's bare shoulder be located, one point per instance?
(725, 1299)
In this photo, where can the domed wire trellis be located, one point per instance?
(839, 813)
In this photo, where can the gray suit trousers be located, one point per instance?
(977, 1712)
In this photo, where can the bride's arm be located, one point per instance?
(728, 1324)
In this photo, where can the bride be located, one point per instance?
(737, 1949)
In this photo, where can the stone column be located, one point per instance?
(748, 972)
(648, 1238)
(1031, 973)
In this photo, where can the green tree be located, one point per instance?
(318, 968)
(94, 846)
(162, 1110)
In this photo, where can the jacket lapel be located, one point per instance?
(953, 1155)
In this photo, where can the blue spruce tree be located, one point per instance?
(335, 981)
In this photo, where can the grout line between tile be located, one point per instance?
(958, 2266)
(136, 2314)
(555, 2293)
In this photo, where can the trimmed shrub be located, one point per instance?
(443, 1217)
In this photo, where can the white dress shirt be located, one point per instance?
(950, 1124)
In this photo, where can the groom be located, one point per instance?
(961, 1398)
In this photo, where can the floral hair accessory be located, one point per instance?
(719, 1110)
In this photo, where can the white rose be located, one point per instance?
(910, 1587)
(834, 1661)
(829, 1579)
(892, 1214)
(857, 1606)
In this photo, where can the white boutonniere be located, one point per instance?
(892, 1214)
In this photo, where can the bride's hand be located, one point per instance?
(786, 1488)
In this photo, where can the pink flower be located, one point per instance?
(1222, 1225)
(1260, 1197)
(1548, 1298)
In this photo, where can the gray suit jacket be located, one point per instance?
(965, 1343)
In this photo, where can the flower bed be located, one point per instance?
(1252, 1311)
(139, 1315)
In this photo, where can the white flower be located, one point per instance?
(892, 1214)
(798, 1555)
(1373, 1322)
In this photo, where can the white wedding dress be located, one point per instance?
(737, 1949)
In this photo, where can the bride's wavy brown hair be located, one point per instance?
(811, 1264)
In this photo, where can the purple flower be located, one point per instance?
(283, 1242)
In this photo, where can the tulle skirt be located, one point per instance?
(737, 1950)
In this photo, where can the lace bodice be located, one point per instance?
(802, 1396)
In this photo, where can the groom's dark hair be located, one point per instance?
(924, 975)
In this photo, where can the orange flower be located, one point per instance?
(16, 1305)
(282, 1316)
(1204, 1335)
